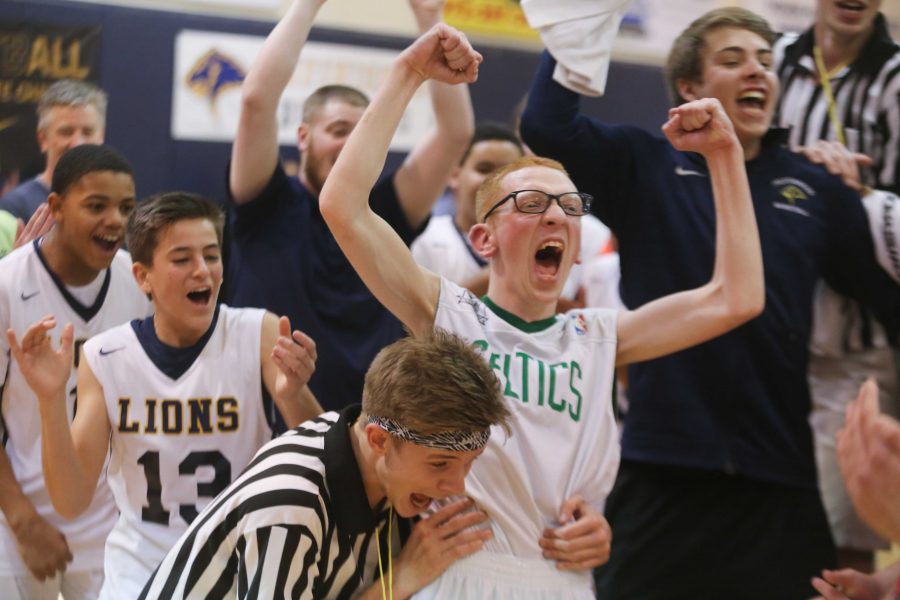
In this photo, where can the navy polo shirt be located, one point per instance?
(740, 402)
(284, 258)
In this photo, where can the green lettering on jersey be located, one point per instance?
(574, 367)
(525, 358)
(507, 390)
(559, 406)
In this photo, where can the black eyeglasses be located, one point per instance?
(533, 202)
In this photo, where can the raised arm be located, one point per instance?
(288, 361)
(254, 154)
(736, 291)
(71, 458)
(377, 253)
(424, 174)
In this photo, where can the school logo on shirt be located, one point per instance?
(469, 298)
(795, 194)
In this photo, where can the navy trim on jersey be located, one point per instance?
(85, 312)
(174, 362)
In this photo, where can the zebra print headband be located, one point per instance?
(462, 440)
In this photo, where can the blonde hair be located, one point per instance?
(432, 385)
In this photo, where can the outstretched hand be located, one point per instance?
(45, 370)
(443, 54)
(40, 223)
(846, 584)
(700, 126)
(839, 160)
(295, 356)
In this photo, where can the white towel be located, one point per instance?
(580, 35)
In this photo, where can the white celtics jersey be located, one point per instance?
(28, 292)
(556, 377)
(176, 443)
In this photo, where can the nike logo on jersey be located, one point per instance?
(30, 296)
(105, 352)
(679, 170)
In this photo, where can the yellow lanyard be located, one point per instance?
(386, 595)
(825, 80)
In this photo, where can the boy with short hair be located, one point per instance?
(78, 273)
(300, 521)
(176, 399)
(543, 486)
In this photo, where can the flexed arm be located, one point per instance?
(254, 154)
(71, 458)
(424, 174)
(736, 291)
(411, 293)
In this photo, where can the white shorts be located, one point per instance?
(82, 585)
(491, 576)
(834, 382)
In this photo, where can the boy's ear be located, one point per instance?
(686, 89)
(54, 201)
(482, 238)
(141, 275)
(378, 439)
(303, 137)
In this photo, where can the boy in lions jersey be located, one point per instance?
(79, 273)
(543, 486)
(177, 397)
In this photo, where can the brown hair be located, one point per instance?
(434, 384)
(685, 58)
(490, 188)
(153, 215)
(327, 93)
(67, 92)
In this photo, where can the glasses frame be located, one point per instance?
(586, 200)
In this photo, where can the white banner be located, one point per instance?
(209, 68)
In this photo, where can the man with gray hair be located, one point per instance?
(70, 113)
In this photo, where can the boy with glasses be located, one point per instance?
(542, 486)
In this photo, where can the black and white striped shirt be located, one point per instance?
(866, 92)
(295, 524)
(867, 99)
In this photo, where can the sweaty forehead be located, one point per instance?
(337, 110)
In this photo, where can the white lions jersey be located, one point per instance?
(176, 442)
(28, 292)
(556, 377)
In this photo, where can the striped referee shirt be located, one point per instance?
(867, 100)
(867, 95)
(295, 524)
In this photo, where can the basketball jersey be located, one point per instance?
(557, 382)
(28, 292)
(176, 443)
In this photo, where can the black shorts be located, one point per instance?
(681, 533)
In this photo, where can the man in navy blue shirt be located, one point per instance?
(283, 257)
(716, 496)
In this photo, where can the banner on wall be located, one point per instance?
(33, 56)
(489, 17)
(210, 67)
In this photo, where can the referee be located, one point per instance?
(322, 511)
(840, 84)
